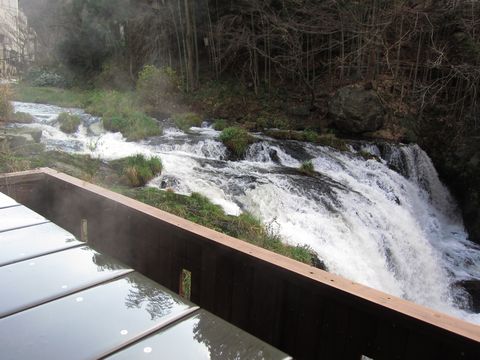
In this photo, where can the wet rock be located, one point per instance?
(274, 156)
(356, 110)
(319, 264)
(96, 129)
(460, 169)
(169, 182)
(21, 135)
(472, 287)
(36, 135)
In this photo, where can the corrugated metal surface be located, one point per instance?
(60, 299)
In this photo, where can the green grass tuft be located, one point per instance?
(307, 168)
(134, 126)
(236, 140)
(220, 124)
(137, 170)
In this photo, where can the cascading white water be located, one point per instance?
(388, 223)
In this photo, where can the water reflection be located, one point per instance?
(157, 301)
(201, 336)
(224, 341)
(105, 263)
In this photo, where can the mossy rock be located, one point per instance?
(69, 123)
(356, 110)
(22, 118)
(368, 156)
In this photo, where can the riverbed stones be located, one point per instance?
(356, 110)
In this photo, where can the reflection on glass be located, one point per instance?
(105, 262)
(156, 300)
(225, 341)
(201, 336)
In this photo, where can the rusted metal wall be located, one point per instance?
(304, 311)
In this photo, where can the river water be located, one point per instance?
(388, 223)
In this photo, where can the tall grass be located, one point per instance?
(6, 107)
(49, 95)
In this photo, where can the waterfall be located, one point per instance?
(387, 222)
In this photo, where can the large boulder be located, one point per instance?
(356, 110)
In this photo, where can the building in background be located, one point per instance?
(17, 40)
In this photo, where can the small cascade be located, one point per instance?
(208, 149)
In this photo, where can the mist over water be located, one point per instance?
(388, 223)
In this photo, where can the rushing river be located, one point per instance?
(388, 223)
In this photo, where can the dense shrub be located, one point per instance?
(6, 107)
(45, 78)
(137, 170)
(187, 120)
(236, 140)
(69, 123)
